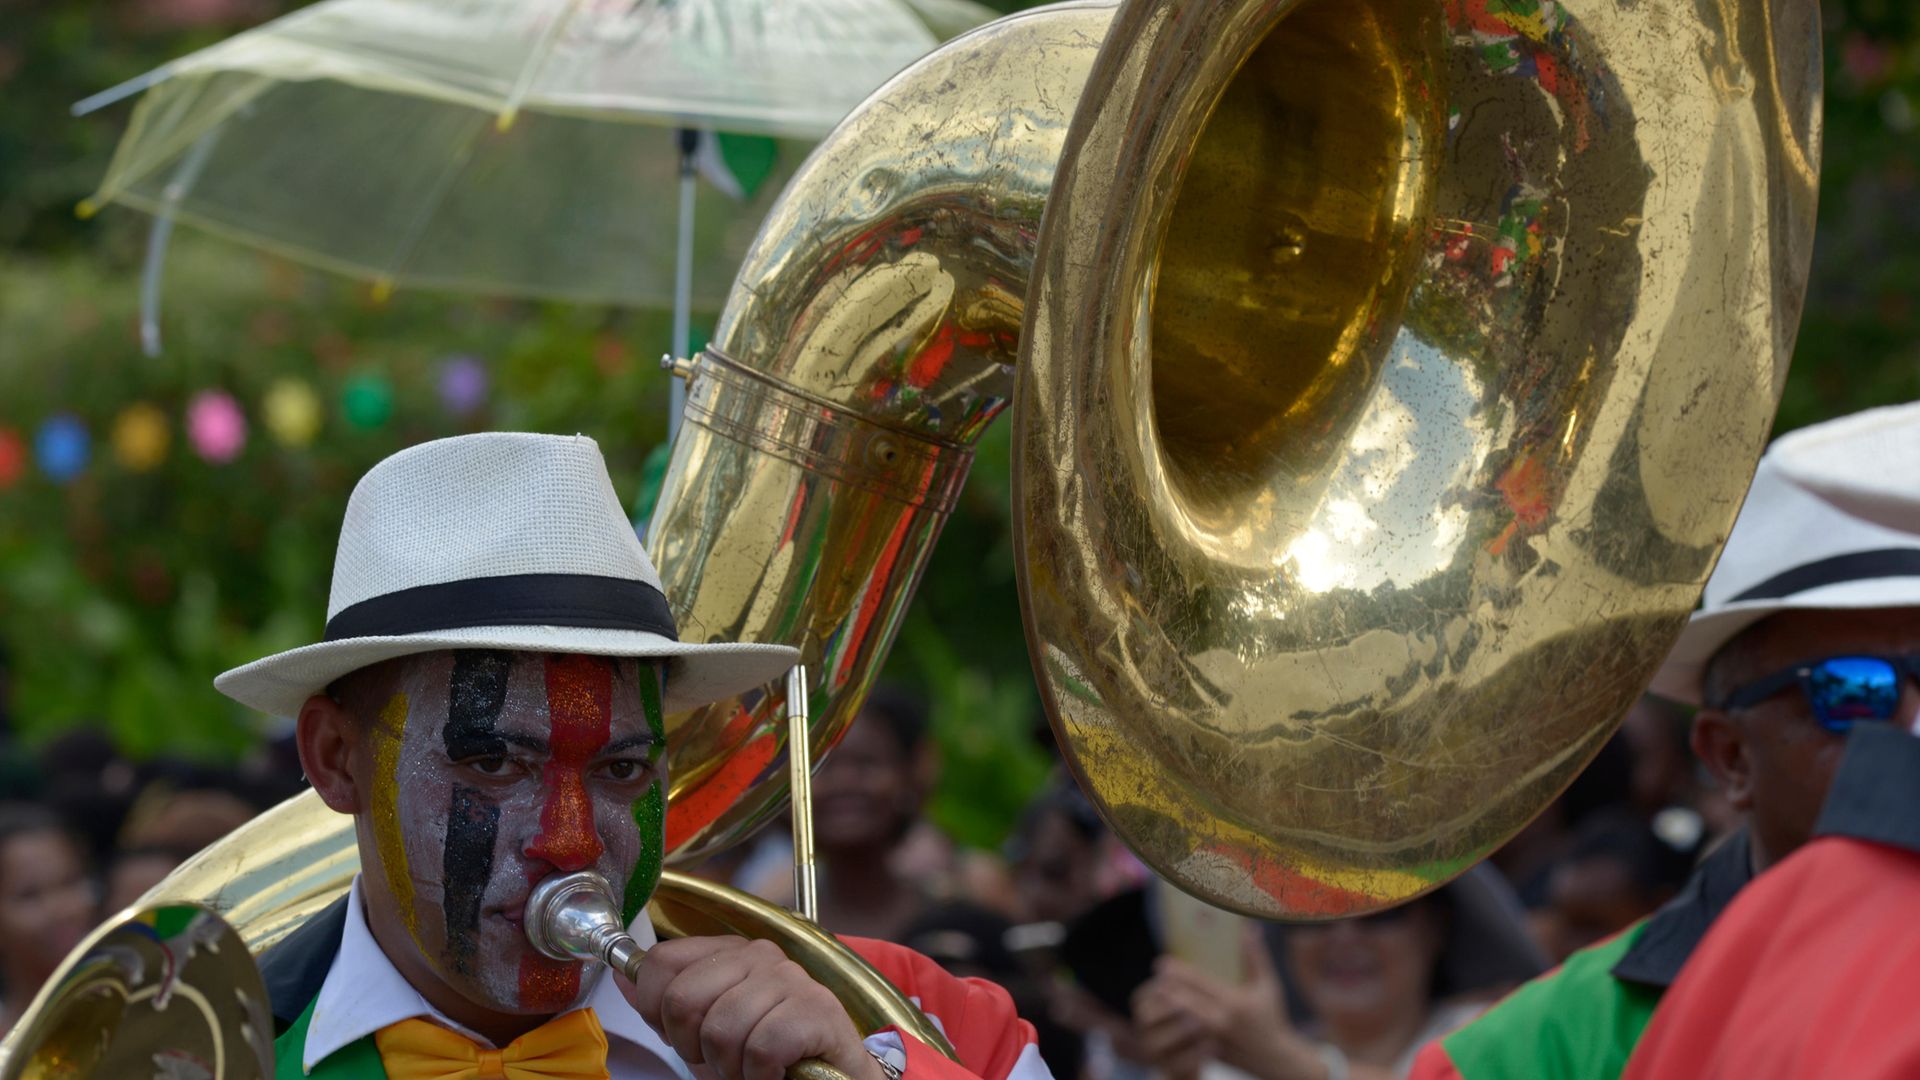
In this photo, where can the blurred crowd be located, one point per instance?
(1122, 975)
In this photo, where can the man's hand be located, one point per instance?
(744, 1010)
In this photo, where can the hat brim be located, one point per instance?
(696, 674)
(1679, 679)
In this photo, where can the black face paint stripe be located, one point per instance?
(473, 822)
(476, 693)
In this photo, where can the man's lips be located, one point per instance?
(514, 915)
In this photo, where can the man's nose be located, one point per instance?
(567, 838)
(1909, 715)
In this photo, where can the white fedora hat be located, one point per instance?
(496, 541)
(1832, 522)
(1864, 464)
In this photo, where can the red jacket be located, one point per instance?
(1815, 969)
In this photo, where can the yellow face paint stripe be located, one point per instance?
(386, 806)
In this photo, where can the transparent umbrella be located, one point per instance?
(540, 148)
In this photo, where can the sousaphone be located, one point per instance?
(1386, 377)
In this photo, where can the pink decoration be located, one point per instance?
(215, 426)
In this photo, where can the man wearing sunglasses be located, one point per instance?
(1811, 972)
(1809, 628)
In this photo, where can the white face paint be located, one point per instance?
(493, 771)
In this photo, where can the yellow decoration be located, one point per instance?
(292, 412)
(140, 437)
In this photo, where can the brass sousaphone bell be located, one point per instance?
(1386, 378)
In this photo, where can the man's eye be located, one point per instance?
(491, 766)
(624, 769)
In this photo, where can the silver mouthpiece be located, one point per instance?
(573, 917)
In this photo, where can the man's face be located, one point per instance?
(864, 795)
(1787, 760)
(489, 771)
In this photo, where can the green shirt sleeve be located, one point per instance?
(1575, 1021)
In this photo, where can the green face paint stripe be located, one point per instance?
(650, 814)
(650, 680)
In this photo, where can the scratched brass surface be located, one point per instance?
(159, 990)
(282, 868)
(1392, 375)
(829, 425)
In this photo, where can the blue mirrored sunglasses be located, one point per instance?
(1840, 689)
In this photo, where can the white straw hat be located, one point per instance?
(1832, 522)
(1864, 464)
(496, 541)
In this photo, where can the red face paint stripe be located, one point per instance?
(580, 705)
(580, 711)
(547, 985)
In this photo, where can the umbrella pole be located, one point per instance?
(683, 280)
(160, 233)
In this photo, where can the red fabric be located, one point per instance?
(1813, 971)
(977, 1017)
(1432, 1063)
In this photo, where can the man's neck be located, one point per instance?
(497, 1027)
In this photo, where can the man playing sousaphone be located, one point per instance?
(488, 704)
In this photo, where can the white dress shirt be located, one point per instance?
(364, 992)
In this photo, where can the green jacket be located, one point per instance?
(1583, 1019)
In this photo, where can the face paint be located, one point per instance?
(475, 695)
(473, 824)
(650, 817)
(580, 712)
(511, 767)
(476, 692)
(580, 703)
(390, 841)
(650, 810)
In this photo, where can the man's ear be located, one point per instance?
(326, 734)
(1722, 747)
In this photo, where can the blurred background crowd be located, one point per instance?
(163, 520)
(1109, 963)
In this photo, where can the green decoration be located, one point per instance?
(367, 401)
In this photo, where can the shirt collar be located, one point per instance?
(1672, 932)
(1876, 791)
(364, 992)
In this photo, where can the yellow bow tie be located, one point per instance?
(569, 1047)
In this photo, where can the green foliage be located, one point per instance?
(1859, 342)
(124, 592)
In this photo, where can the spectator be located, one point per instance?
(1618, 871)
(1528, 860)
(970, 941)
(1055, 854)
(1805, 628)
(866, 800)
(1376, 989)
(172, 819)
(1661, 772)
(46, 902)
(89, 785)
(131, 873)
(183, 819)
